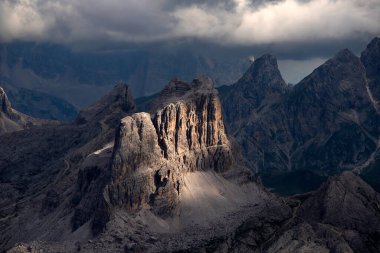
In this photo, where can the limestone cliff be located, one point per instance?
(152, 153)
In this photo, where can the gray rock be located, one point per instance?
(326, 123)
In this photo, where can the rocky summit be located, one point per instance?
(159, 161)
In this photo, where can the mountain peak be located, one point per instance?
(341, 78)
(261, 85)
(268, 58)
(203, 82)
(375, 43)
(118, 101)
(345, 55)
(177, 89)
(263, 73)
(265, 64)
(344, 65)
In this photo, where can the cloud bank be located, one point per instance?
(228, 22)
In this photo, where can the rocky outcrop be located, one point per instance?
(140, 176)
(152, 153)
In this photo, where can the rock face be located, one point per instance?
(327, 123)
(152, 153)
(184, 136)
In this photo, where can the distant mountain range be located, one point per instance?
(40, 104)
(11, 120)
(81, 77)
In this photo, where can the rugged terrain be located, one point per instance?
(174, 179)
(106, 174)
(327, 123)
(39, 167)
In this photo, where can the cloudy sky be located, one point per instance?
(301, 33)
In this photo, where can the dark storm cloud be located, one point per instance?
(241, 22)
(291, 29)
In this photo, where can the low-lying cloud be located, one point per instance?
(234, 22)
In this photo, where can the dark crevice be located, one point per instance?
(177, 186)
(161, 142)
(177, 125)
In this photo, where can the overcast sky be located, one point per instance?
(295, 31)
